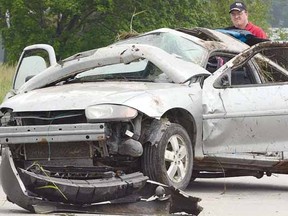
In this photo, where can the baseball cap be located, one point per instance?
(239, 6)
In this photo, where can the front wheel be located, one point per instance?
(171, 160)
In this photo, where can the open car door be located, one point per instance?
(33, 60)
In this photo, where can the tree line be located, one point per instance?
(279, 13)
(72, 26)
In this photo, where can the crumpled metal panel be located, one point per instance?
(248, 120)
(82, 191)
(153, 198)
(177, 69)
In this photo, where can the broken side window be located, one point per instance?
(272, 71)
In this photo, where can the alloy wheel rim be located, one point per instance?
(176, 158)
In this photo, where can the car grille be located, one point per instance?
(50, 118)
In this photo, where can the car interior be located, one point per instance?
(241, 76)
(268, 72)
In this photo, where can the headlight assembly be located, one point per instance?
(5, 117)
(109, 112)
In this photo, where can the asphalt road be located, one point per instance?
(241, 196)
(221, 197)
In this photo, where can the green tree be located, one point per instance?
(66, 24)
(280, 15)
(76, 25)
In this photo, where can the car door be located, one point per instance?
(33, 60)
(248, 119)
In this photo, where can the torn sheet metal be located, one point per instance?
(137, 194)
(153, 199)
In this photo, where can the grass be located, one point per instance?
(6, 76)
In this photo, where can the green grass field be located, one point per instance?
(6, 76)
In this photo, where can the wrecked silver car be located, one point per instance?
(168, 105)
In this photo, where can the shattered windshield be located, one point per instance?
(140, 70)
(185, 49)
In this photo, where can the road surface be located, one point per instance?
(242, 196)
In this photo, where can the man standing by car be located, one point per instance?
(239, 17)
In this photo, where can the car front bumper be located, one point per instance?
(134, 193)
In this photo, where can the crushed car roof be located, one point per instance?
(178, 70)
(208, 38)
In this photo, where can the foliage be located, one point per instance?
(280, 15)
(71, 26)
(7, 73)
(279, 34)
(65, 24)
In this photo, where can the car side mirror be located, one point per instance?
(28, 78)
(225, 80)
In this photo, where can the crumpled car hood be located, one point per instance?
(142, 96)
(74, 96)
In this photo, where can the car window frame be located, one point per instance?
(223, 77)
(44, 48)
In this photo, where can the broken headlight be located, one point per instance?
(6, 117)
(109, 112)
